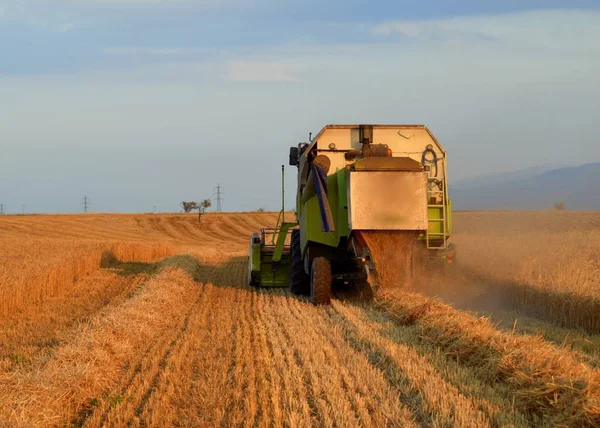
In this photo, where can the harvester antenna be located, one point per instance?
(218, 192)
(86, 204)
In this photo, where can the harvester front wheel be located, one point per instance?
(320, 281)
(299, 281)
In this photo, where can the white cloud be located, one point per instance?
(154, 51)
(65, 27)
(25, 12)
(205, 3)
(151, 1)
(410, 29)
(260, 71)
(546, 29)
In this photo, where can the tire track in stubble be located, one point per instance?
(299, 404)
(415, 376)
(374, 401)
(331, 410)
(142, 378)
(181, 369)
(355, 391)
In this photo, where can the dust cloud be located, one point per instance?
(403, 264)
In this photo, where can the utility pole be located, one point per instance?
(154, 208)
(23, 208)
(86, 204)
(1, 208)
(219, 194)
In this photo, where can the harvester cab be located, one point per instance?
(355, 182)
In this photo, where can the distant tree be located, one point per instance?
(560, 205)
(261, 210)
(203, 206)
(188, 207)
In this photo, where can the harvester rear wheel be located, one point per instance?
(320, 281)
(299, 281)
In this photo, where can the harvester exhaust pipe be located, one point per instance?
(283, 193)
(369, 149)
(365, 133)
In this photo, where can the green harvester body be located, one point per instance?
(355, 178)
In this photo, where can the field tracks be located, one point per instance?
(145, 377)
(438, 402)
(168, 334)
(348, 390)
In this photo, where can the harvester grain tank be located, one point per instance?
(354, 179)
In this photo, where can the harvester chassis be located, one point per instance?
(354, 180)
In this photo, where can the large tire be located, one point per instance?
(299, 281)
(320, 281)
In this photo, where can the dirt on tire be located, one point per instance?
(320, 281)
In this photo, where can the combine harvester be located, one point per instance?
(354, 180)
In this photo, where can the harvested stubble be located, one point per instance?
(37, 332)
(547, 380)
(35, 270)
(164, 350)
(90, 366)
(440, 402)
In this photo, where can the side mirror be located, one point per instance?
(294, 155)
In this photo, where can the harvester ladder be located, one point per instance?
(437, 236)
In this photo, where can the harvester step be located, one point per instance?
(437, 219)
(435, 206)
(436, 234)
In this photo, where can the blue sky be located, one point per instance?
(147, 102)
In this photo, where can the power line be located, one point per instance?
(86, 204)
(219, 193)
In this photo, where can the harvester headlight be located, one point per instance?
(331, 146)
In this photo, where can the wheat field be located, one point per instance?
(146, 320)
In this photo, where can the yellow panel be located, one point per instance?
(389, 200)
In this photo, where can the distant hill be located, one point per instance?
(577, 186)
(499, 178)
